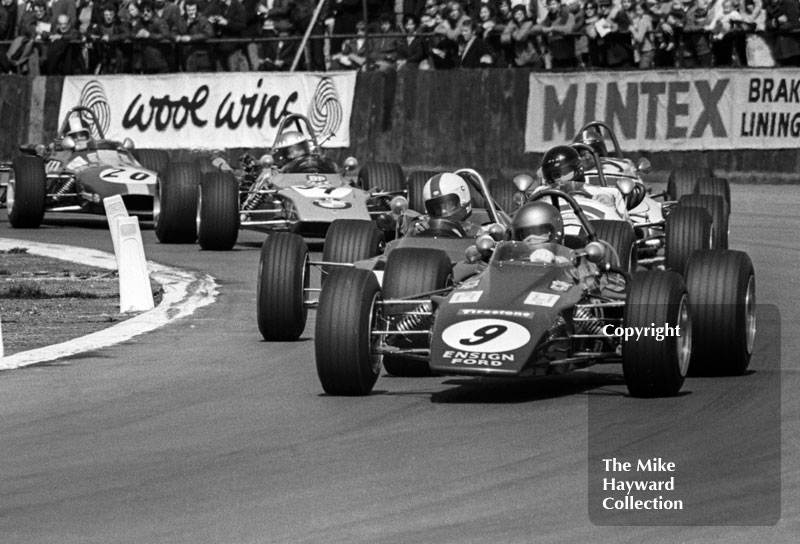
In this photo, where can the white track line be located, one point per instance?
(184, 292)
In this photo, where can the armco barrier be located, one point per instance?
(433, 118)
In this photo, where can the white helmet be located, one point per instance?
(447, 196)
(291, 145)
(78, 131)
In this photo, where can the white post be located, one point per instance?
(135, 294)
(115, 208)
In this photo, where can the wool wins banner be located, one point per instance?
(668, 110)
(213, 111)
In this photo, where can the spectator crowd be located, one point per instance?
(158, 36)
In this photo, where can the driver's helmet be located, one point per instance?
(562, 166)
(291, 145)
(79, 131)
(539, 223)
(447, 196)
(593, 139)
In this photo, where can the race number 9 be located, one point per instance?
(486, 335)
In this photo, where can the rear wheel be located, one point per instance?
(687, 230)
(382, 176)
(715, 187)
(27, 194)
(503, 192)
(283, 277)
(683, 181)
(412, 271)
(152, 159)
(348, 312)
(654, 368)
(622, 238)
(176, 215)
(722, 288)
(218, 211)
(351, 240)
(415, 184)
(719, 212)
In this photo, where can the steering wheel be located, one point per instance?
(443, 228)
(580, 192)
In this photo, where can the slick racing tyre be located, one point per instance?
(412, 271)
(683, 181)
(381, 176)
(719, 212)
(715, 187)
(348, 312)
(283, 277)
(622, 238)
(152, 159)
(722, 290)
(26, 195)
(351, 240)
(654, 368)
(416, 183)
(176, 215)
(218, 211)
(504, 192)
(687, 230)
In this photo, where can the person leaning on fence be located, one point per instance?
(642, 34)
(353, 55)
(411, 48)
(696, 40)
(277, 56)
(522, 33)
(104, 37)
(63, 56)
(757, 51)
(228, 20)
(193, 32)
(723, 26)
(34, 28)
(558, 27)
(147, 31)
(473, 51)
(614, 38)
(8, 23)
(783, 16)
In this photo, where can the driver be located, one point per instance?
(541, 223)
(562, 169)
(447, 196)
(593, 139)
(290, 146)
(79, 132)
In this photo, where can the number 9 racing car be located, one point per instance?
(545, 309)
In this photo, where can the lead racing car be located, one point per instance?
(80, 167)
(285, 294)
(541, 308)
(295, 188)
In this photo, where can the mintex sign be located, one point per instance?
(668, 110)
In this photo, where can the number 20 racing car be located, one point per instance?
(292, 189)
(80, 168)
(545, 309)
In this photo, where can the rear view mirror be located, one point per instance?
(523, 182)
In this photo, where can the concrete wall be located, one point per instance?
(450, 118)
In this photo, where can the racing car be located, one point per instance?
(284, 290)
(526, 316)
(80, 168)
(292, 189)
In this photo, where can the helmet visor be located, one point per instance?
(559, 174)
(537, 234)
(443, 206)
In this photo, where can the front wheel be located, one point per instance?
(687, 230)
(176, 215)
(27, 194)
(620, 236)
(283, 277)
(383, 176)
(348, 312)
(218, 212)
(656, 366)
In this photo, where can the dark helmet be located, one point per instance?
(593, 139)
(538, 222)
(562, 164)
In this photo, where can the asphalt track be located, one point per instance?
(200, 432)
